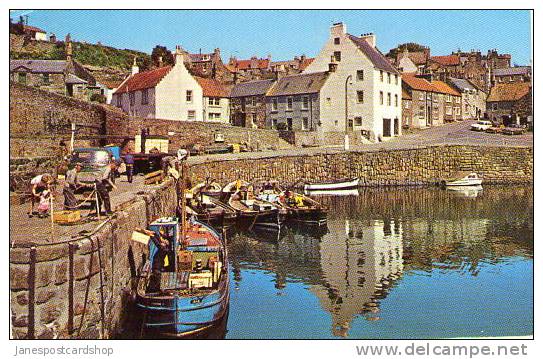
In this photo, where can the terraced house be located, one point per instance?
(362, 92)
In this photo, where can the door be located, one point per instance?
(386, 127)
(396, 127)
(289, 124)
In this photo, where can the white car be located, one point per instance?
(481, 126)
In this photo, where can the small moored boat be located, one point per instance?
(464, 179)
(183, 288)
(209, 209)
(332, 185)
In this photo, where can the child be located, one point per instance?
(43, 207)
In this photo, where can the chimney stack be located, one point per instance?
(370, 38)
(338, 29)
(178, 55)
(68, 48)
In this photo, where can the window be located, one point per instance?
(191, 114)
(358, 121)
(274, 123)
(494, 106)
(360, 75)
(132, 97)
(396, 79)
(336, 41)
(328, 102)
(388, 77)
(243, 104)
(381, 74)
(22, 78)
(45, 79)
(144, 97)
(189, 96)
(406, 104)
(360, 96)
(253, 101)
(289, 103)
(389, 99)
(274, 104)
(449, 98)
(448, 110)
(381, 97)
(120, 100)
(305, 102)
(214, 101)
(457, 111)
(421, 96)
(214, 116)
(305, 123)
(337, 56)
(396, 100)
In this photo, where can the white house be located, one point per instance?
(215, 101)
(168, 92)
(363, 92)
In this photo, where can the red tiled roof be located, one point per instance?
(406, 95)
(448, 60)
(212, 88)
(144, 80)
(246, 64)
(33, 28)
(508, 92)
(442, 87)
(305, 63)
(417, 83)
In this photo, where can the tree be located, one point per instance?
(411, 47)
(167, 56)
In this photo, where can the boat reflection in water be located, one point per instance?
(465, 191)
(440, 255)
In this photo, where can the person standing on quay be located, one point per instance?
(103, 184)
(71, 184)
(38, 184)
(129, 162)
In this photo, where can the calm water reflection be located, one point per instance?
(392, 263)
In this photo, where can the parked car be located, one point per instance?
(514, 129)
(93, 159)
(494, 129)
(481, 125)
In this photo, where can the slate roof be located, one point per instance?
(519, 70)
(72, 79)
(144, 80)
(462, 84)
(374, 55)
(508, 92)
(39, 66)
(251, 88)
(447, 60)
(299, 84)
(212, 88)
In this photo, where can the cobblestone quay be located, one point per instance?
(416, 166)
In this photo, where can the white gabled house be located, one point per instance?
(363, 92)
(168, 92)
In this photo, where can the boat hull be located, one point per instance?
(309, 216)
(332, 186)
(465, 182)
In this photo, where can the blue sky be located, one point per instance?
(284, 34)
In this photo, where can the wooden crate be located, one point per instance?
(154, 177)
(66, 217)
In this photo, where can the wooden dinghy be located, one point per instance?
(209, 209)
(183, 288)
(333, 185)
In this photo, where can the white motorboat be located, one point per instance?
(333, 185)
(339, 192)
(470, 179)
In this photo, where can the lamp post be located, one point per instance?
(347, 113)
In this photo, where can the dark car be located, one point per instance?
(93, 159)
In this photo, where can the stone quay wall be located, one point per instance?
(77, 288)
(420, 166)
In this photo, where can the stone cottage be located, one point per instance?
(510, 103)
(294, 103)
(248, 103)
(473, 98)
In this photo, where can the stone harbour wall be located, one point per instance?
(421, 166)
(77, 288)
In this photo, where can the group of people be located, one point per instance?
(41, 190)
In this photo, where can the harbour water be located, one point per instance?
(391, 263)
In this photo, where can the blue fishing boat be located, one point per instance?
(183, 288)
